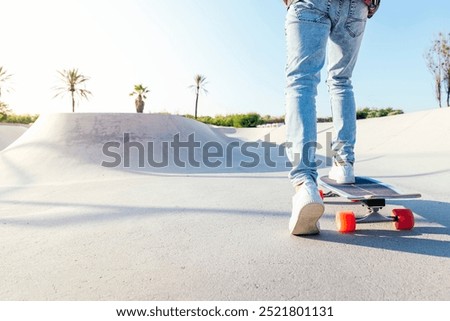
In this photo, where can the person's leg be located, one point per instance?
(307, 31)
(345, 40)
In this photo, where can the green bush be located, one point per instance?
(364, 113)
(234, 120)
(4, 111)
(18, 119)
(246, 120)
(254, 119)
(324, 119)
(222, 121)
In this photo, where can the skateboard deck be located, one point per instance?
(371, 194)
(364, 188)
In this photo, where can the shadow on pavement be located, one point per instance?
(430, 237)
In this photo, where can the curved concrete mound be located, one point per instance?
(85, 145)
(9, 133)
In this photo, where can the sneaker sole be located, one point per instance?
(307, 220)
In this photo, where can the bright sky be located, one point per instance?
(237, 44)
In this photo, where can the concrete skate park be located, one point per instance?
(86, 215)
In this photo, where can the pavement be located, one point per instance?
(99, 207)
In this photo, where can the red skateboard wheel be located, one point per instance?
(404, 219)
(345, 221)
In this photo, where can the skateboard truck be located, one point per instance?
(373, 207)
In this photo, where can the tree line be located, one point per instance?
(73, 83)
(255, 119)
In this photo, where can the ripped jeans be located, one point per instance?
(319, 30)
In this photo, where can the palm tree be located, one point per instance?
(4, 77)
(199, 86)
(72, 81)
(140, 91)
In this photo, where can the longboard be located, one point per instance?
(371, 194)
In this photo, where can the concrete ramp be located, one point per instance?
(83, 146)
(413, 133)
(9, 133)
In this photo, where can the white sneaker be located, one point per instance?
(307, 208)
(342, 173)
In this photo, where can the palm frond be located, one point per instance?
(72, 81)
(140, 90)
(199, 84)
(4, 77)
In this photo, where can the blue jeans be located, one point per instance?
(311, 27)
